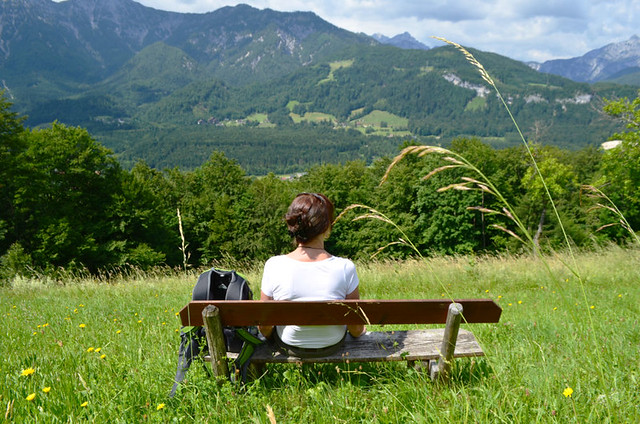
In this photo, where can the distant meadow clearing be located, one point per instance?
(105, 350)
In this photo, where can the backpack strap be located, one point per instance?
(203, 286)
(190, 340)
(241, 364)
(235, 287)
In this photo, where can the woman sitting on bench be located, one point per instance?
(309, 272)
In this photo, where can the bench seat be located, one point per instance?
(379, 346)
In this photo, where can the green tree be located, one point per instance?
(263, 209)
(620, 166)
(559, 179)
(144, 219)
(211, 205)
(63, 197)
(12, 145)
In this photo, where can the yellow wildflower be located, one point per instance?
(98, 349)
(27, 372)
(567, 392)
(90, 350)
(85, 403)
(103, 356)
(160, 406)
(82, 326)
(593, 307)
(519, 302)
(46, 389)
(31, 397)
(119, 331)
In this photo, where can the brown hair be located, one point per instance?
(309, 215)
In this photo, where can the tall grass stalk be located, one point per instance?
(374, 214)
(596, 193)
(574, 267)
(183, 248)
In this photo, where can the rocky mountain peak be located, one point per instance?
(598, 65)
(403, 41)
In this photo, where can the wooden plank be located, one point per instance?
(380, 346)
(381, 312)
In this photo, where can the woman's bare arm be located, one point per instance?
(356, 330)
(266, 330)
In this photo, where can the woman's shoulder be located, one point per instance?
(344, 262)
(275, 259)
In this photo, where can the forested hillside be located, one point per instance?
(171, 88)
(431, 96)
(66, 202)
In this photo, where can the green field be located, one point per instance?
(104, 350)
(312, 117)
(380, 118)
(478, 103)
(334, 66)
(379, 122)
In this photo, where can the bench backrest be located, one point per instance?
(411, 311)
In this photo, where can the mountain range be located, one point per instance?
(615, 62)
(276, 91)
(403, 41)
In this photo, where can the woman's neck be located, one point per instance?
(310, 251)
(317, 246)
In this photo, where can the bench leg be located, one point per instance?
(216, 341)
(440, 370)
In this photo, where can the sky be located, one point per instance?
(526, 30)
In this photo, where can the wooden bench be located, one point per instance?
(437, 346)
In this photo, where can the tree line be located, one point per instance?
(67, 203)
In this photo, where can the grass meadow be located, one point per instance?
(104, 350)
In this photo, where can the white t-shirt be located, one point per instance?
(285, 278)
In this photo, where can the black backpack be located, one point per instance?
(216, 284)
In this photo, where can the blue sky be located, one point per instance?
(528, 30)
